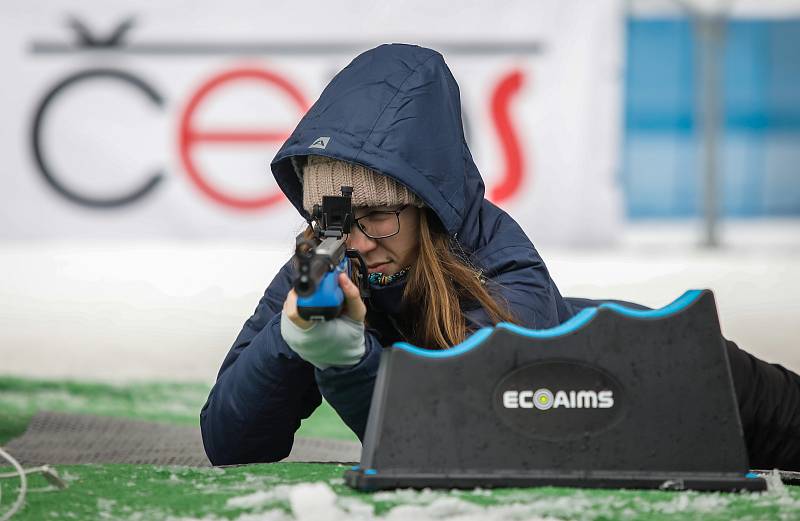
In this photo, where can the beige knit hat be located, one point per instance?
(325, 176)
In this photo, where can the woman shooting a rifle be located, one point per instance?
(443, 262)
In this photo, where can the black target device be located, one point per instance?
(613, 398)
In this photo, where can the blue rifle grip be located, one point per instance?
(326, 302)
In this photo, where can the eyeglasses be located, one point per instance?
(380, 224)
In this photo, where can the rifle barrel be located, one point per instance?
(312, 267)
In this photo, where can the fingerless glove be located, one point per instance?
(332, 343)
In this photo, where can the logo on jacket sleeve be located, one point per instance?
(320, 142)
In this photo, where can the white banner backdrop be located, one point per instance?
(159, 120)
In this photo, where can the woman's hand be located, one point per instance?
(333, 343)
(353, 305)
(290, 311)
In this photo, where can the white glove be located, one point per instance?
(332, 343)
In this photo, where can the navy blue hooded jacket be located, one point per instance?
(395, 109)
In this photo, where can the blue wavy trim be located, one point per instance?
(469, 343)
(573, 324)
(678, 304)
(583, 317)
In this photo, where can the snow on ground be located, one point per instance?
(119, 311)
(319, 502)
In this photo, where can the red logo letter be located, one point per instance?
(511, 179)
(190, 137)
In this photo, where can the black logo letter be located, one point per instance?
(47, 171)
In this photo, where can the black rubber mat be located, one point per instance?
(60, 438)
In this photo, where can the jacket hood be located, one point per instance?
(396, 109)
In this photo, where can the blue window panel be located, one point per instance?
(783, 84)
(782, 175)
(745, 74)
(664, 183)
(760, 146)
(742, 160)
(660, 66)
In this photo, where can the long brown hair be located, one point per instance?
(439, 283)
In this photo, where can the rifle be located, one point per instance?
(319, 260)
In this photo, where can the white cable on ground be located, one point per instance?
(47, 471)
(23, 486)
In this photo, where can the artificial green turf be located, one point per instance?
(12, 424)
(147, 492)
(119, 491)
(180, 403)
